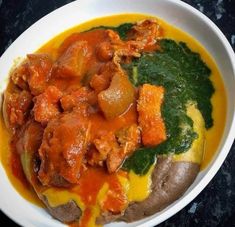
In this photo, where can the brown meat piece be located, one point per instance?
(74, 99)
(129, 138)
(33, 73)
(39, 66)
(30, 138)
(64, 145)
(46, 105)
(146, 32)
(74, 61)
(123, 50)
(113, 149)
(103, 146)
(101, 81)
(16, 108)
(20, 75)
(104, 51)
(27, 145)
(115, 159)
(142, 37)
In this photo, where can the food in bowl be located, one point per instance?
(113, 123)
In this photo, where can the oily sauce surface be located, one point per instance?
(99, 126)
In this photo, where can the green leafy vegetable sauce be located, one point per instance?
(185, 78)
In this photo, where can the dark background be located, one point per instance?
(215, 206)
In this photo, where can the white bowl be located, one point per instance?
(176, 13)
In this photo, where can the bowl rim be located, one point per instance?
(222, 154)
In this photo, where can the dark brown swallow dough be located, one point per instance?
(65, 213)
(169, 182)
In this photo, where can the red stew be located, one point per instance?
(75, 114)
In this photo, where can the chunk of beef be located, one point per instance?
(142, 37)
(30, 138)
(27, 145)
(16, 108)
(20, 75)
(103, 146)
(105, 51)
(123, 50)
(74, 61)
(64, 145)
(82, 96)
(129, 140)
(33, 73)
(46, 105)
(146, 32)
(102, 79)
(112, 149)
(39, 66)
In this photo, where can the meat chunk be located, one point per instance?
(115, 159)
(129, 140)
(16, 108)
(30, 138)
(105, 51)
(64, 145)
(77, 98)
(150, 119)
(74, 61)
(102, 80)
(33, 73)
(146, 32)
(27, 145)
(20, 76)
(39, 66)
(46, 105)
(142, 37)
(114, 148)
(103, 146)
(123, 50)
(115, 100)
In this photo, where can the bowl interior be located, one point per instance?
(174, 12)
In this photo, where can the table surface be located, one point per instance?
(215, 205)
